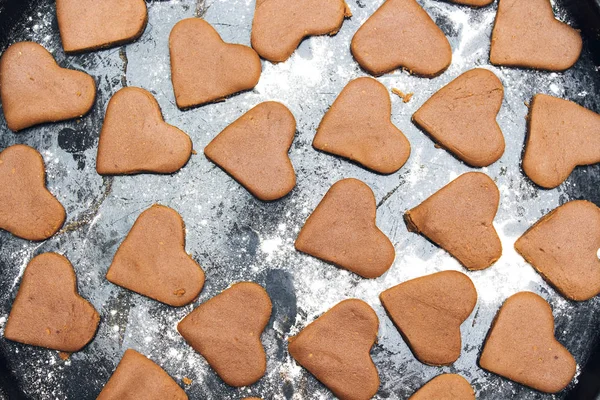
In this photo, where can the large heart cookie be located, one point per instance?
(521, 345)
(342, 231)
(459, 217)
(445, 387)
(401, 34)
(27, 209)
(152, 260)
(226, 331)
(562, 135)
(358, 127)
(34, 89)
(429, 310)
(48, 311)
(461, 117)
(92, 24)
(526, 34)
(336, 349)
(254, 150)
(204, 69)
(135, 138)
(563, 248)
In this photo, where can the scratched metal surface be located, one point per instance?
(236, 237)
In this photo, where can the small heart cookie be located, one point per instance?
(459, 218)
(473, 3)
(48, 311)
(226, 331)
(526, 34)
(521, 345)
(445, 387)
(35, 90)
(204, 68)
(358, 126)
(400, 34)
(429, 311)
(461, 117)
(254, 150)
(336, 347)
(342, 231)
(562, 135)
(27, 209)
(135, 138)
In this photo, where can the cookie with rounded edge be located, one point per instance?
(473, 3)
(445, 387)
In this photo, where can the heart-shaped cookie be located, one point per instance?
(461, 117)
(400, 34)
(204, 68)
(563, 247)
(27, 209)
(445, 387)
(34, 89)
(562, 135)
(473, 3)
(429, 311)
(521, 345)
(91, 24)
(48, 311)
(254, 150)
(526, 34)
(358, 127)
(336, 347)
(342, 231)
(459, 218)
(279, 26)
(226, 331)
(135, 138)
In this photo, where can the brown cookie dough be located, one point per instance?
(92, 24)
(445, 387)
(137, 377)
(473, 3)
(521, 345)
(400, 34)
(204, 68)
(35, 90)
(336, 347)
(526, 34)
(429, 311)
(358, 126)
(226, 331)
(135, 138)
(459, 217)
(461, 117)
(342, 231)
(27, 209)
(563, 247)
(48, 311)
(254, 150)
(152, 260)
(562, 135)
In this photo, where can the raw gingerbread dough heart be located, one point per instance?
(461, 117)
(27, 209)
(135, 138)
(92, 24)
(521, 345)
(35, 90)
(336, 347)
(358, 127)
(445, 387)
(280, 25)
(459, 217)
(563, 247)
(226, 331)
(473, 3)
(429, 311)
(152, 260)
(48, 311)
(401, 34)
(254, 150)
(526, 34)
(562, 135)
(204, 68)
(342, 231)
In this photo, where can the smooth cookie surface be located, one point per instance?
(445, 387)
